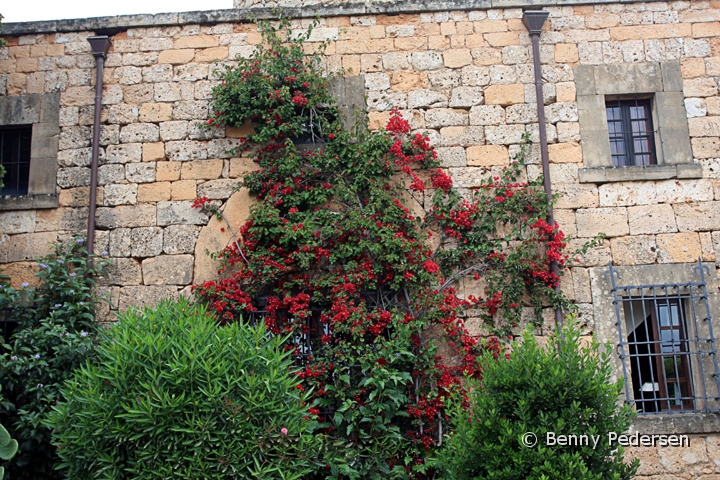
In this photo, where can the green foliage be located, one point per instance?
(8, 448)
(2, 44)
(54, 335)
(564, 390)
(172, 394)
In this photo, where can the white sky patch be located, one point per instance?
(33, 10)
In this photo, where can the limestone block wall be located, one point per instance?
(463, 76)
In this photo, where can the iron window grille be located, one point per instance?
(15, 158)
(667, 346)
(630, 126)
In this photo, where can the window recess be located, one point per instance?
(667, 346)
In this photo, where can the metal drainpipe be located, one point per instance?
(534, 21)
(100, 45)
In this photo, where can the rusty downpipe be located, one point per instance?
(534, 21)
(100, 45)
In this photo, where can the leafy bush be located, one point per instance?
(54, 335)
(566, 390)
(174, 395)
(8, 448)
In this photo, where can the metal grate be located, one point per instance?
(15, 158)
(667, 346)
(632, 140)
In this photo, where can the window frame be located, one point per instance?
(627, 135)
(42, 111)
(662, 82)
(606, 310)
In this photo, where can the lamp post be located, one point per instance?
(100, 45)
(534, 21)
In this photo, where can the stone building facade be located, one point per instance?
(461, 71)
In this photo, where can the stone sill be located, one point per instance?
(639, 173)
(28, 202)
(681, 423)
(109, 25)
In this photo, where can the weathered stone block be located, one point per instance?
(73, 177)
(123, 194)
(125, 216)
(487, 155)
(651, 219)
(202, 170)
(110, 174)
(17, 222)
(569, 152)
(218, 189)
(487, 115)
(180, 239)
(457, 58)
(184, 190)
(427, 60)
(466, 96)
(153, 192)
(176, 56)
(706, 147)
(184, 150)
(445, 117)
(179, 212)
(504, 94)
(697, 217)
(623, 194)
(613, 222)
(559, 173)
(140, 172)
(211, 54)
(504, 134)
(168, 270)
(140, 132)
(634, 250)
(27, 246)
(426, 98)
(167, 171)
(123, 153)
(196, 41)
(145, 296)
(155, 112)
(683, 247)
(451, 156)
(676, 191)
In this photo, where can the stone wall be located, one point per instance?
(463, 76)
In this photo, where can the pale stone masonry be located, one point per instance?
(460, 72)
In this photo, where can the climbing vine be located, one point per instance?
(368, 257)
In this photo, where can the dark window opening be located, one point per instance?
(15, 159)
(632, 139)
(659, 360)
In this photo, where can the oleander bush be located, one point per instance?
(54, 332)
(172, 394)
(564, 390)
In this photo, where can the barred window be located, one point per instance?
(631, 132)
(667, 345)
(15, 158)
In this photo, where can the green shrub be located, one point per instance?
(54, 335)
(172, 394)
(8, 448)
(566, 390)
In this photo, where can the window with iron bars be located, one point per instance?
(667, 345)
